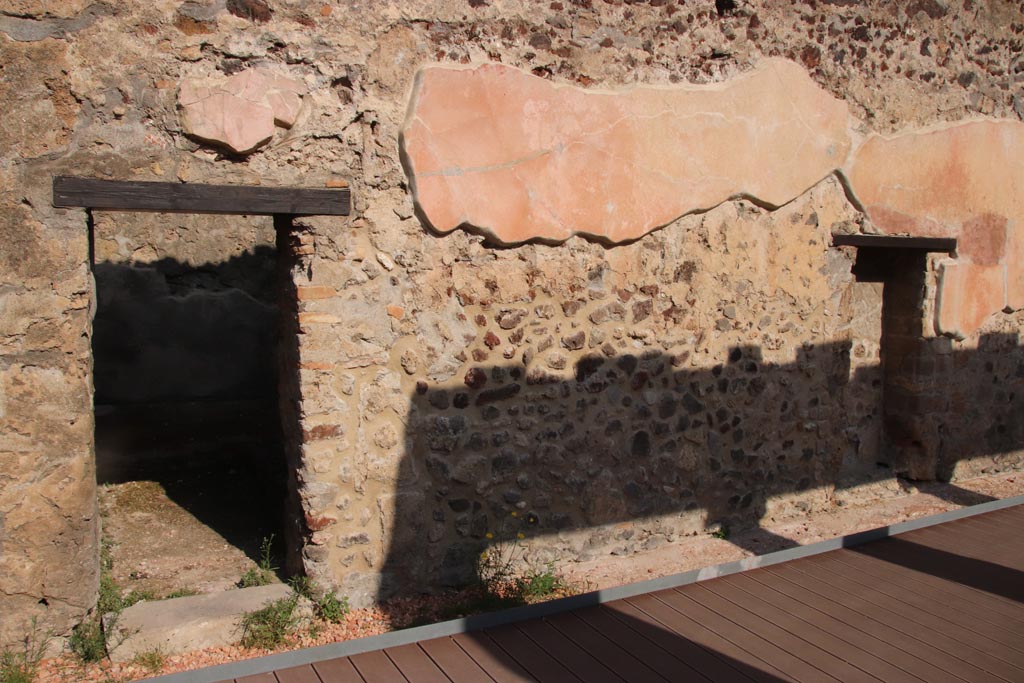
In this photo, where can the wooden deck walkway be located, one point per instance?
(943, 604)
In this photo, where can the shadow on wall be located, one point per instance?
(186, 379)
(169, 331)
(634, 451)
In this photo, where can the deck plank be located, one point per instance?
(964, 540)
(940, 604)
(297, 674)
(535, 660)
(989, 529)
(339, 670)
(995, 580)
(415, 665)
(705, 650)
(967, 640)
(491, 659)
(671, 657)
(972, 541)
(375, 667)
(582, 664)
(1000, 520)
(902, 666)
(869, 667)
(760, 646)
(258, 678)
(927, 605)
(910, 636)
(453, 661)
(936, 587)
(938, 666)
(796, 642)
(607, 651)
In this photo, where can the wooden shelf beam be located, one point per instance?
(945, 244)
(94, 193)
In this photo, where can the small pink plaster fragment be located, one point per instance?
(190, 93)
(240, 112)
(250, 84)
(240, 125)
(285, 105)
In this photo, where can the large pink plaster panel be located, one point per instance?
(520, 158)
(964, 181)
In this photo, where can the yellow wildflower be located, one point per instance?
(521, 535)
(488, 535)
(515, 514)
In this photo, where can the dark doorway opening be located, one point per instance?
(909, 445)
(253, 412)
(188, 431)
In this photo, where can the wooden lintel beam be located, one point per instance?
(946, 244)
(94, 193)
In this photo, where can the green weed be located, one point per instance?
(498, 567)
(264, 573)
(151, 660)
(304, 586)
(88, 641)
(110, 595)
(328, 606)
(270, 626)
(331, 608)
(254, 577)
(538, 584)
(20, 665)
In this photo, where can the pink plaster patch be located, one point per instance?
(240, 112)
(983, 239)
(520, 158)
(964, 181)
(968, 295)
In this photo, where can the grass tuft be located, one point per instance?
(151, 660)
(270, 626)
(540, 584)
(331, 608)
(265, 572)
(328, 606)
(88, 641)
(21, 665)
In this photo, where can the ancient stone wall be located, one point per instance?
(720, 369)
